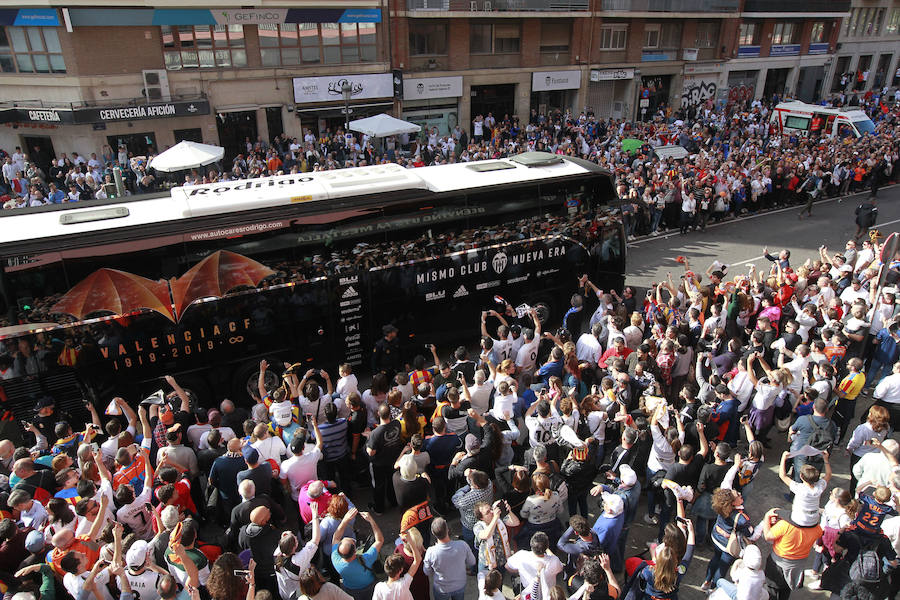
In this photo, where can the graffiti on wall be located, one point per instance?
(697, 91)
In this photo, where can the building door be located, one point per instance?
(841, 77)
(884, 63)
(499, 100)
(235, 128)
(862, 72)
(776, 81)
(274, 121)
(809, 83)
(40, 150)
(190, 135)
(137, 144)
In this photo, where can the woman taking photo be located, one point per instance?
(661, 580)
(291, 559)
(729, 505)
(406, 548)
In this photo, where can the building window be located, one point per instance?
(859, 25)
(316, 43)
(613, 37)
(817, 35)
(850, 29)
(555, 37)
(893, 26)
(749, 34)
(203, 46)
(494, 39)
(30, 50)
(783, 33)
(708, 34)
(427, 39)
(651, 35)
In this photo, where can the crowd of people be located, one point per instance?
(530, 468)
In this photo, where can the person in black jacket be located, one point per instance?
(579, 470)
(262, 540)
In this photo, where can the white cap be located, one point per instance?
(137, 554)
(627, 475)
(752, 557)
(613, 504)
(283, 413)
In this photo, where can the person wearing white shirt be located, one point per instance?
(480, 392)
(133, 510)
(887, 394)
(527, 563)
(864, 256)
(526, 358)
(588, 347)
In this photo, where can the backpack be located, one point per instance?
(867, 567)
(820, 438)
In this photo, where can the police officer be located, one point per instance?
(386, 354)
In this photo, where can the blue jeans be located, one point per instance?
(439, 595)
(651, 493)
(468, 536)
(877, 371)
(727, 587)
(718, 565)
(655, 218)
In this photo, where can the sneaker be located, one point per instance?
(707, 586)
(816, 584)
(373, 511)
(809, 573)
(651, 519)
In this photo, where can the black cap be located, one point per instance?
(44, 402)
(389, 329)
(297, 444)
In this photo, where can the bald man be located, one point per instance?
(223, 476)
(7, 449)
(232, 416)
(241, 514)
(262, 540)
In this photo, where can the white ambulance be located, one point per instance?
(805, 119)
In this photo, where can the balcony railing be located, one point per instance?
(715, 6)
(805, 6)
(500, 5)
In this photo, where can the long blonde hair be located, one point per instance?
(665, 573)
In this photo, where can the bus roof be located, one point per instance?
(224, 198)
(851, 112)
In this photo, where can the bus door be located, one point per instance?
(829, 125)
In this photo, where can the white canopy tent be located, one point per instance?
(383, 125)
(186, 155)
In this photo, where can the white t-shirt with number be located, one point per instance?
(526, 358)
(540, 429)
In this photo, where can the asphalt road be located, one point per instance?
(737, 243)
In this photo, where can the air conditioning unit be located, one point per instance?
(156, 85)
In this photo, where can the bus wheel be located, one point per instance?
(197, 390)
(244, 381)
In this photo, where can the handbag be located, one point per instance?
(212, 498)
(735, 542)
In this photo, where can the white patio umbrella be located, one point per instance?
(186, 155)
(383, 125)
